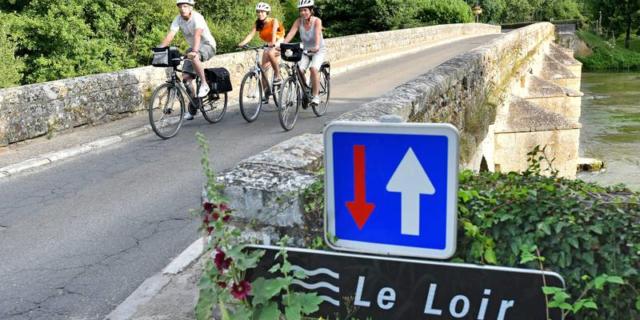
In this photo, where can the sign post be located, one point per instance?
(391, 188)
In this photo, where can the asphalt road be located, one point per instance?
(78, 237)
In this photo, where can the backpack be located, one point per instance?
(219, 80)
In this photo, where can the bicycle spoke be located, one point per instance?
(250, 96)
(166, 110)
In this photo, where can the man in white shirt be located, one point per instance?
(201, 42)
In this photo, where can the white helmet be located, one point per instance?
(306, 4)
(262, 6)
(189, 2)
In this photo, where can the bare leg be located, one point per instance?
(274, 58)
(266, 64)
(197, 65)
(315, 81)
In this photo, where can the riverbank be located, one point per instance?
(608, 56)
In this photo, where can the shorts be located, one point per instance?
(206, 52)
(315, 61)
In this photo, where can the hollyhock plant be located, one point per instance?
(221, 260)
(241, 290)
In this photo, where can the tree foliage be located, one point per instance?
(11, 67)
(343, 17)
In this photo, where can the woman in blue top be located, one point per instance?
(310, 28)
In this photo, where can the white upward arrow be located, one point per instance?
(411, 181)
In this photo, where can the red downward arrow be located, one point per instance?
(359, 208)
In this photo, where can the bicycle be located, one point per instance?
(251, 88)
(167, 105)
(295, 90)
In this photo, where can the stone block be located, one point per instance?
(266, 188)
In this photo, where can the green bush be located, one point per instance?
(11, 67)
(607, 56)
(441, 12)
(580, 229)
(361, 16)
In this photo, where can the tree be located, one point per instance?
(11, 67)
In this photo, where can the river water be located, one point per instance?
(611, 127)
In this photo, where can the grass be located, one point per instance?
(609, 56)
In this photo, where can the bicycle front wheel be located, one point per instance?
(166, 110)
(289, 104)
(251, 96)
(214, 106)
(325, 90)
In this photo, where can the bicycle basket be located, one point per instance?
(166, 57)
(219, 79)
(291, 52)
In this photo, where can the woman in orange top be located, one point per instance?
(271, 32)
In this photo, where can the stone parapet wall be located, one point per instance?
(464, 91)
(35, 110)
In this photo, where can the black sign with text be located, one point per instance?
(390, 288)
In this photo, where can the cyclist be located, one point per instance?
(201, 42)
(313, 42)
(272, 32)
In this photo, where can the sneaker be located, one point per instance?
(277, 82)
(188, 116)
(315, 100)
(265, 99)
(204, 90)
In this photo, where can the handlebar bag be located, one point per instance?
(219, 79)
(166, 57)
(291, 52)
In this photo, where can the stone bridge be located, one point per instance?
(506, 97)
(520, 91)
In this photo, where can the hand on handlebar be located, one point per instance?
(192, 55)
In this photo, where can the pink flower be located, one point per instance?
(221, 260)
(224, 207)
(241, 290)
(209, 230)
(216, 216)
(226, 218)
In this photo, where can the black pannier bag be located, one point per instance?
(166, 57)
(219, 79)
(291, 52)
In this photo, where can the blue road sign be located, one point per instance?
(391, 188)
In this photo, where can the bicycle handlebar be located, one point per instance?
(264, 46)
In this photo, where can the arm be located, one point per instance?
(274, 34)
(167, 39)
(197, 38)
(292, 32)
(318, 31)
(248, 37)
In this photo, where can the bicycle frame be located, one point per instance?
(184, 89)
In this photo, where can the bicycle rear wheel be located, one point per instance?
(289, 103)
(166, 110)
(325, 91)
(251, 96)
(214, 106)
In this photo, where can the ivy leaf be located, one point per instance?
(490, 256)
(615, 279)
